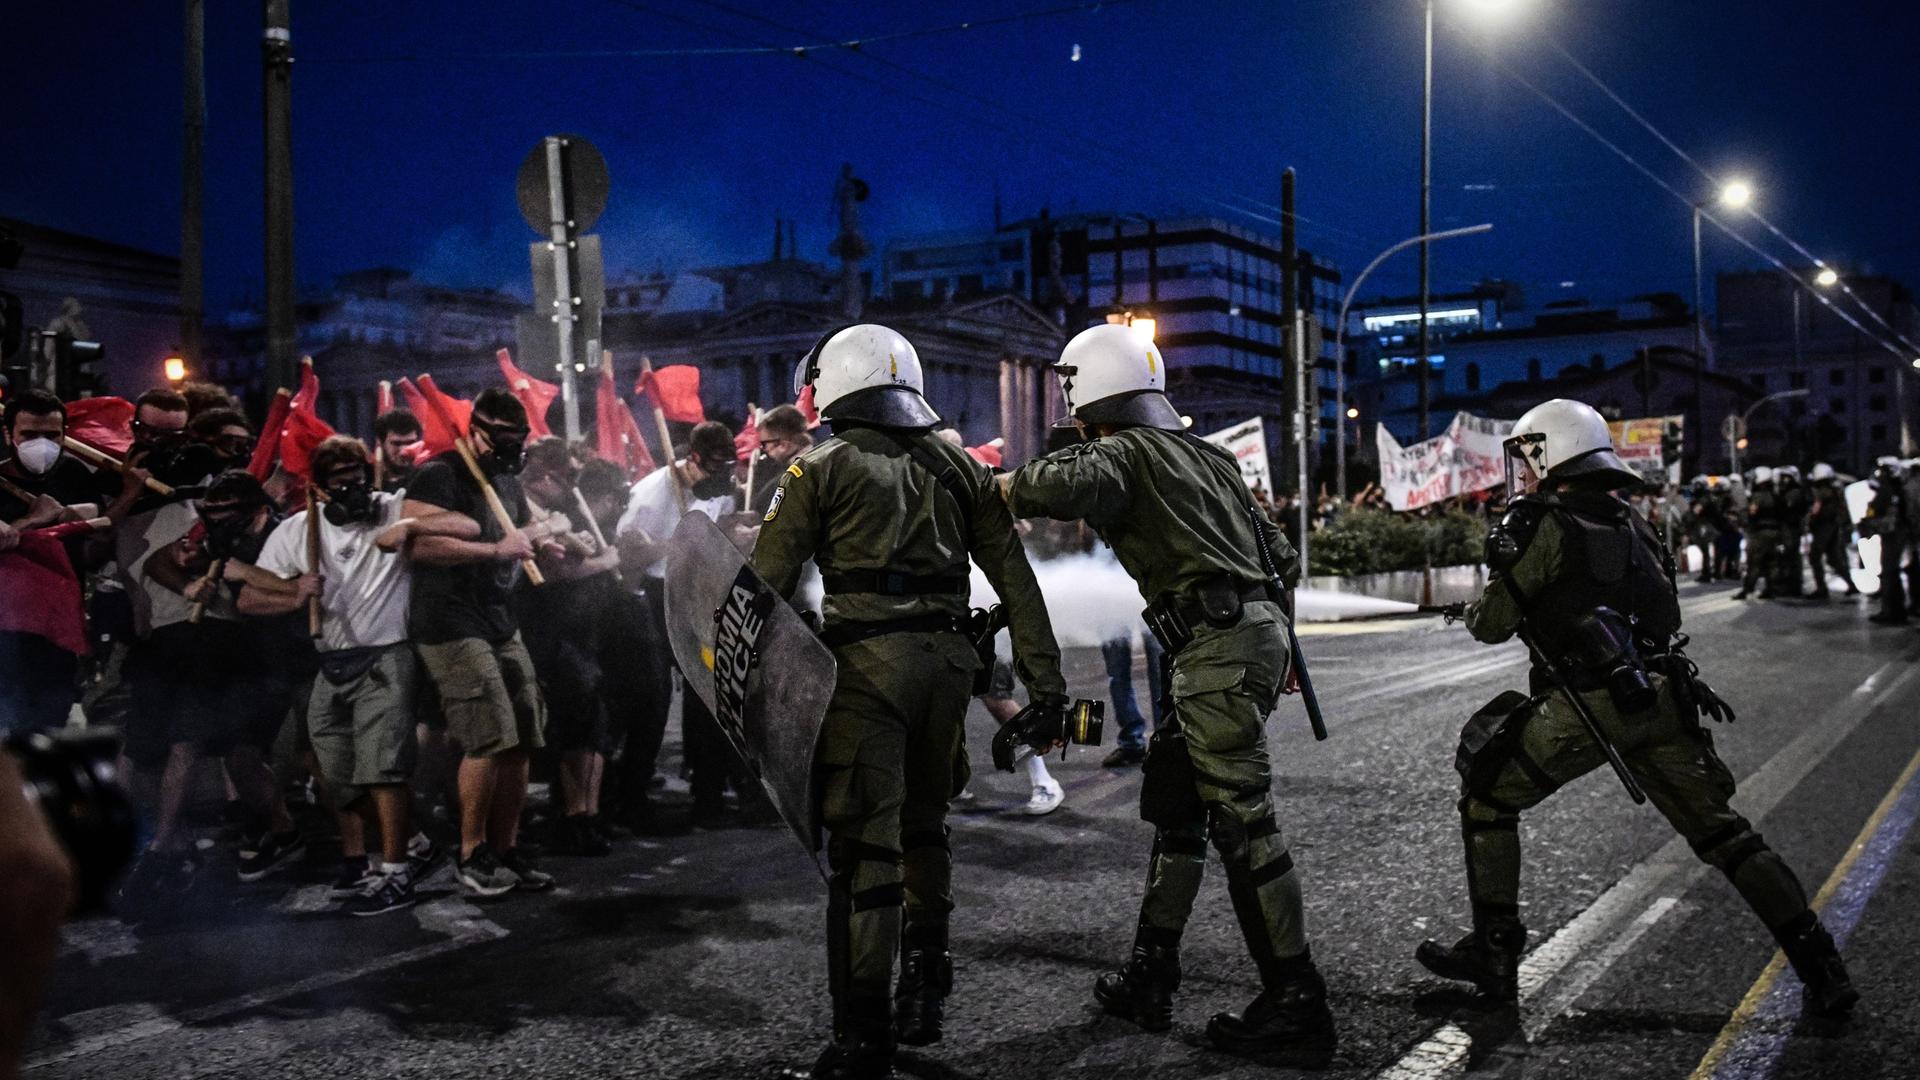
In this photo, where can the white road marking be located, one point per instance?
(1670, 871)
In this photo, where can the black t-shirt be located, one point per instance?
(469, 600)
(68, 481)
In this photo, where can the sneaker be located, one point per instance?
(482, 873)
(1046, 799)
(422, 853)
(391, 892)
(272, 852)
(528, 878)
(1124, 756)
(355, 877)
(575, 835)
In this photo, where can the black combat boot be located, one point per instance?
(1826, 991)
(1489, 958)
(1143, 990)
(926, 978)
(1289, 1016)
(861, 1050)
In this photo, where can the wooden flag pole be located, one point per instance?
(666, 441)
(313, 560)
(105, 460)
(465, 449)
(753, 459)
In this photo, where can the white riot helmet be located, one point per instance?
(866, 372)
(1762, 475)
(1821, 472)
(1114, 374)
(1563, 439)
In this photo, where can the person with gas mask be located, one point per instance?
(702, 482)
(1586, 584)
(463, 628)
(215, 687)
(360, 710)
(1181, 521)
(562, 622)
(226, 435)
(1829, 526)
(892, 514)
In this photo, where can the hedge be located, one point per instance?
(1380, 541)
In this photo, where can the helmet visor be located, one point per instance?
(1521, 451)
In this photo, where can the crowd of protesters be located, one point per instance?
(354, 641)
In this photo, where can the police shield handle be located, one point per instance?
(464, 448)
(105, 460)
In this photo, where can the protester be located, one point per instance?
(702, 482)
(464, 629)
(562, 622)
(394, 432)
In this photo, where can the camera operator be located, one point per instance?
(36, 889)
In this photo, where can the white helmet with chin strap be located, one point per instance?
(1821, 472)
(866, 372)
(1762, 474)
(1563, 439)
(1114, 374)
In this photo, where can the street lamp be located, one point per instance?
(174, 368)
(1736, 436)
(1340, 336)
(1733, 195)
(1827, 278)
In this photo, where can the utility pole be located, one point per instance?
(193, 143)
(1426, 225)
(1289, 291)
(282, 334)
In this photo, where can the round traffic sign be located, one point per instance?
(586, 183)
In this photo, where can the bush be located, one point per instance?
(1380, 541)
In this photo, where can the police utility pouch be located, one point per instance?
(1605, 652)
(1168, 623)
(1219, 602)
(1169, 787)
(983, 625)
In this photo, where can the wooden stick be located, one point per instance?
(666, 441)
(105, 460)
(753, 459)
(199, 608)
(27, 497)
(465, 450)
(313, 559)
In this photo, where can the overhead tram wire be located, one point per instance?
(1708, 215)
(1707, 174)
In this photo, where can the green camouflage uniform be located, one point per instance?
(1175, 515)
(1766, 540)
(1575, 552)
(891, 751)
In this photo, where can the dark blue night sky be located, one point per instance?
(1174, 104)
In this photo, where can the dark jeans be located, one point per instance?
(1118, 653)
(639, 689)
(37, 687)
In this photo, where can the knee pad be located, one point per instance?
(1729, 847)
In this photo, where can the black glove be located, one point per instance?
(1039, 725)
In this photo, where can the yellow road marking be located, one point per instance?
(1749, 1005)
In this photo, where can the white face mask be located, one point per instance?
(37, 455)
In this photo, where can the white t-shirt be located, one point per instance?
(141, 537)
(366, 593)
(653, 508)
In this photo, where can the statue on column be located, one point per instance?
(850, 247)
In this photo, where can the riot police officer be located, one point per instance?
(1791, 492)
(891, 514)
(1766, 537)
(1828, 526)
(1585, 583)
(1183, 525)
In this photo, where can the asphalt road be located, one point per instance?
(699, 956)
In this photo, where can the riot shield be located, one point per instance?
(764, 674)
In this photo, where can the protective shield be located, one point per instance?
(730, 633)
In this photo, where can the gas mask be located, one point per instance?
(37, 455)
(350, 502)
(719, 479)
(229, 535)
(506, 448)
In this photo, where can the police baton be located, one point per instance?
(1565, 686)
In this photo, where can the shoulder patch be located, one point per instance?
(779, 495)
(794, 469)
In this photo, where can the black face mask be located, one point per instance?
(230, 536)
(714, 486)
(178, 462)
(350, 503)
(506, 451)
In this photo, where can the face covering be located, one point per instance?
(38, 455)
(505, 451)
(349, 503)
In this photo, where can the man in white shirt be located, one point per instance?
(361, 710)
(702, 482)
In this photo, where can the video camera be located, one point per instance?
(71, 778)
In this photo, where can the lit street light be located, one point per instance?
(174, 368)
(1734, 195)
(1826, 278)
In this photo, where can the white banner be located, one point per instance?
(1466, 458)
(1247, 442)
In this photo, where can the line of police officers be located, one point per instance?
(892, 515)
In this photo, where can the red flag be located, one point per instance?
(383, 402)
(617, 432)
(105, 422)
(308, 395)
(304, 429)
(267, 449)
(988, 454)
(43, 594)
(533, 393)
(805, 404)
(675, 390)
(748, 440)
(434, 436)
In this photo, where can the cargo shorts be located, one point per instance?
(488, 693)
(361, 725)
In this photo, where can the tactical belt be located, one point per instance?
(1172, 618)
(841, 634)
(893, 583)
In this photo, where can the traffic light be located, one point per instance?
(72, 368)
(15, 369)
